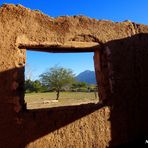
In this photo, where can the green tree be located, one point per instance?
(57, 78)
(29, 85)
(37, 86)
(34, 86)
(79, 86)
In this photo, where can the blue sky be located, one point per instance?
(39, 62)
(115, 10)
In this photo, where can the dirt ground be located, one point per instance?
(48, 100)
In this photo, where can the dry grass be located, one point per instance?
(47, 100)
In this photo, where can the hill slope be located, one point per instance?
(87, 76)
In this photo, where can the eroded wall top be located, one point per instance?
(17, 21)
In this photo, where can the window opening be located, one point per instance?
(40, 94)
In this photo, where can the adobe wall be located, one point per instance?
(122, 119)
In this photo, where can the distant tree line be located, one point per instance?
(35, 86)
(38, 86)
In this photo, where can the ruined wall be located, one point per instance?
(90, 125)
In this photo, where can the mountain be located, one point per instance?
(87, 76)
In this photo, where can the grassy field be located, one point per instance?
(47, 100)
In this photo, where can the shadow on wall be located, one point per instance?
(128, 103)
(19, 129)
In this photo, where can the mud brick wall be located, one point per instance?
(121, 118)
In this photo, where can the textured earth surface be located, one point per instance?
(121, 68)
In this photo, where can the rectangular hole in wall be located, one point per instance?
(38, 92)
